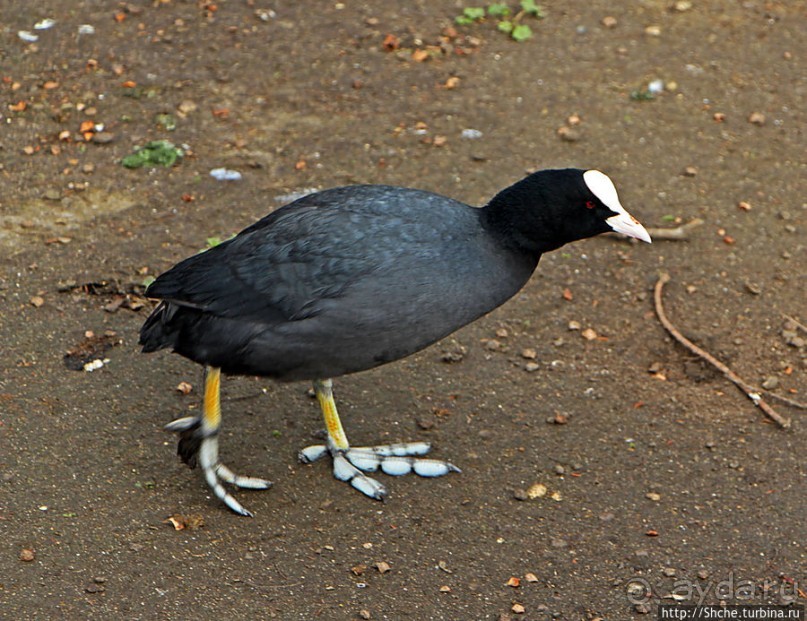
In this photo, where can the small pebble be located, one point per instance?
(653, 496)
(560, 470)
(756, 118)
(669, 571)
(493, 345)
(103, 137)
(567, 134)
(531, 367)
(653, 31)
(518, 609)
(690, 171)
(770, 383)
(529, 353)
(574, 325)
(609, 21)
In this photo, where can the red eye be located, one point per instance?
(590, 205)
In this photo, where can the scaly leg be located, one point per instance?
(199, 439)
(349, 462)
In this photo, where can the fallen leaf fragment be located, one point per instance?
(589, 334)
(181, 522)
(530, 577)
(445, 589)
(567, 294)
(37, 301)
(184, 387)
(382, 567)
(518, 609)
(391, 43)
(536, 490)
(27, 555)
(514, 582)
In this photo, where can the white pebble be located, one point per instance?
(28, 37)
(471, 134)
(225, 174)
(45, 24)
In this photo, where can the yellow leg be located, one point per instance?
(336, 433)
(211, 407)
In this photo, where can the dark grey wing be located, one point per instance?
(288, 265)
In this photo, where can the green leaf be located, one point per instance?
(154, 153)
(463, 21)
(214, 241)
(148, 280)
(520, 33)
(505, 27)
(642, 96)
(668, 218)
(473, 12)
(499, 9)
(529, 7)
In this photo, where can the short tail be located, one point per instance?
(158, 332)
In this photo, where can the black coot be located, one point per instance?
(351, 278)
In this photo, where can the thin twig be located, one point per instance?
(677, 233)
(750, 392)
(796, 322)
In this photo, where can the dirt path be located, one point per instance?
(669, 481)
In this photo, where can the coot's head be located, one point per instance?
(551, 208)
(603, 205)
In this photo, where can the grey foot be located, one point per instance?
(195, 445)
(395, 459)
